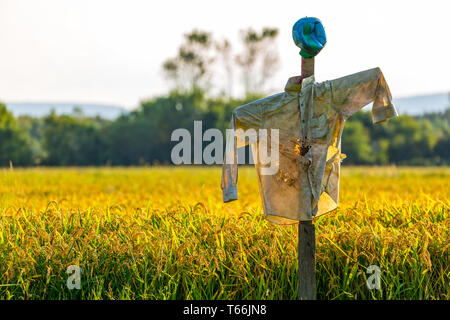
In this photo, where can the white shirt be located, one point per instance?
(310, 117)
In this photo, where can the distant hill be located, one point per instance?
(420, 104)
(417, 105)
(42, 109)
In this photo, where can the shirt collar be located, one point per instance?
(294, 85)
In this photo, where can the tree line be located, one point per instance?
(142, 137)
(201, 78)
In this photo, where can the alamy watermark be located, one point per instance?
(74, 279)
(374, 281)
(213, 153)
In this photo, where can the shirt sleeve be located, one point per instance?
(248, 116)
(351, 93)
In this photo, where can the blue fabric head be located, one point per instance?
(309, 36)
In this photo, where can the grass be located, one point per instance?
(164, 233)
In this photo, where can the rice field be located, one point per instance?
(164, 233)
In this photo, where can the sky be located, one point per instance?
(111, 51)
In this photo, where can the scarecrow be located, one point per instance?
(308, 118)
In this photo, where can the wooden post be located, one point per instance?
(307, 234)
(307, 67)
(306, 261)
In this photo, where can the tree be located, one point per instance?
(224, 52)
(34, 128)
(259, 59)
(143, 136)
(191, 68)
(72, 141)
(442, 148)
(411, 141)
(14, 141)
(356, 143)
